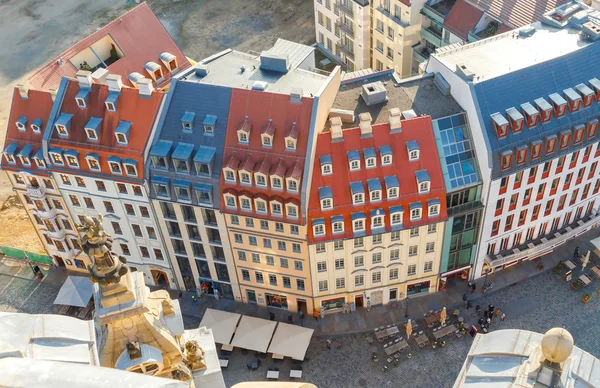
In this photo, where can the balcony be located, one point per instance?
(438, 11)
(346, 50)
(56, 235)
(421, 54)
(432, 36)
(348, 30)
(344, 9)
(35, 192)
(393, 18)
(544, 245)
(46, 214)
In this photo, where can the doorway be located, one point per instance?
(59, 262)
(160, 278)
(251, 296)
(301, 304)
(376, 298)
(393, 294)
(359, 301)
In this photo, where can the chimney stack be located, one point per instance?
(114, 82)
(145, 87)
(99, 76)
(365, 124)
(84, 78)
(394, 120)
(336, 128)
(23, 91)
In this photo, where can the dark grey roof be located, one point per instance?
(419, 94)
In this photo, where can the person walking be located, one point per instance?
(576, 253)
(216, 294)
(301, 314)
(473, 287)
(502, 317)
(271, 316)
(322, 313)
(180, 294)
(328, 344)
(469, 304)
(290, 320)
(464, 297)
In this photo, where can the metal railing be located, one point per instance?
(545, 244)
(346, 50)
(345, 9)
(345, 28)
(35, 192)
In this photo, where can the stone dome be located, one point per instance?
(557, 345)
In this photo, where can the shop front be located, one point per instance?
(209, 287)
(277, 301)
(454, 277)
(418, 288)
(333, 304)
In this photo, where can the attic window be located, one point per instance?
(169, 60)
(550, 144)
(209, 124)
(62, 130)
(22, 124)
(36, 126)
(154, 70)
(122, 132)
(531, 114)
(559, 103)
(111, 102)
(545, 108)
(187, 121)
(565, 136)
(91, 134)
(521, 155)
(592, 128)
(80, 102)
(500, 125)
(536, 149)
(574, 99)
(578, 136)
(413, 150)
(244, 132)
(506, 159)
(516, 120)
(587, 93)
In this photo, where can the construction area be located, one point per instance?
(32, 32)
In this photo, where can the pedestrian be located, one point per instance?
(180, 294)
(469, 304)
(271, 316)
(489, 321)
(328, 344)
(502, 317)
(216, 294)
(492, 308)
(477, 309)
(290, 320)
(464, 297)
(322, 313)
(194, 299)
(316, 314)
(469, 285)
(301, 314)
(576, 253)
(473, 288)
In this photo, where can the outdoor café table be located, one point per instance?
(422, 339)
(432, 318)
(569, 264)
(381, 334)
(396, 347)
(585, 279)
(273, 374)
(296, 374)
(444, 331)
(596, 270)
(393, 330)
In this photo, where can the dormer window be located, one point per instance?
(291, 210)
(9, 152)
(565, 137)
(261, 180)
(276, 183)
(93, 161)
(36, 126)
(550, 144)
(161, 186)
(559, 103)
(592, 128)
(413, 150)
(182, 190)
(24, 155)
(337, 224)
(122, 132)
(516, 119)
(209, 124)
(169, 60)
(326, 198)
(92, 128)
(370, 158)
(546, 109)
(586, 93)
(56, 157)
(243, 132)
(358, 222)
(531, 114)
(111, 101)
(392, 186)
(521, 154)
(396, 214)
(245, 203)
(423, 181)
(318, 227)
(354, 160)
(229, 175)
(130, 167)
(267, 141)
(187, 121)
(91, 134)
(153, 70)
(374, 189)
(415, 211)
(245, 178)
(204, 160)
(326, 165)
(267, 133)
(261, 206)
(276, 209)
(386, 155)
(230, 202)
(578, 135)
(500, 125)
(63, 124)
(292, 185)
(573, 98)
(21, 124)
(80, 102)
(291, 139)
(41, 163)
(536, 149)
(71, 157)
(115, 165)
(377, 218)
(507, 159)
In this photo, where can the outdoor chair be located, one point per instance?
(376, 330)
(396, 340)
(385, 346)
(388, 326)
(381, 327)
(421, 332)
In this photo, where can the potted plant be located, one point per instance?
(396, 363)
(575, 285)
(409, 356)
(374, 357)
(559, 267)
(598, 290)
(586, 298)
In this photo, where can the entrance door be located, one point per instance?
(359, 301)
(376, 298)
(393, 294)
(251, 296)
(59, 261)
(301, 303)
(160, 279)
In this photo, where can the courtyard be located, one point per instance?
(537, 304)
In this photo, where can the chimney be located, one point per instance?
(23, 91)
(394, 120)
(145, 87)
(365, 124)
(114, 82)
(84, 78)
(202, 70)
(336, 128)
(99, 76)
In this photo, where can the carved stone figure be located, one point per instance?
(194, 356)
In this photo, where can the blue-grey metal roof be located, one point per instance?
(93, 123)
(369, 153)
(385, 150)
(123, 128)
(357, 187)
(547, 79)
(181, 183)
(188, 117)
(571, 94)
(415, 205)
(391, 181)
(210, 120)
(94, 156)
(74, 153)
(203, 187)
(64, 119)
(183, 151)
(83, 94)
(161, 148)
(433, 201)
(377, 212)
(39, 154)
(325, 192)
(160, 180)
(53, 150)
(422, 176)
(113, 159)
(374, 184)
(10, 149)
(396, 209)
(112, 98)
(318, 221)
(132, 162)
(25, 151)
(151, 66)
(337, 219)
(37, 122)
(412, 145)
(457, 156)
(353, 155)
(357, 216)
(205, 155)
(22, 120)
(325, 159)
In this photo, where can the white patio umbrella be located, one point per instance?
(76, 291)
(586, 260)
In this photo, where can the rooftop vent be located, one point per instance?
(100, 75)
(84, 78)
(260, 85)
(374, 93)
(365, 123)
(409, 114)
(274, 62)
(591, 31)
(202, 70)
(347, 116)
(394, 119)
(464, 72)
(336, 128)
(145, 87)
(527, 32)
(114, 82)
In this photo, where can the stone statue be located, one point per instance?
(107, 267)
(194, 356)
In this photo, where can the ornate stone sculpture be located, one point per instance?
(194, 356)
(107, 267)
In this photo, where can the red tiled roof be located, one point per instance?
(248, 164)
(137, 33)
(462, 18)
(38, 104)
(296, 171)
(268, 129)
(517, 13)
(140, 111)
(418, 129)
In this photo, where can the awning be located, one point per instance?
(161, 148)
(222, 323)
(183, 151)
(291, 341)
(455, 271)
(76, 291)
(205, 155)
(254, 334)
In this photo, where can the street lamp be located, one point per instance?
(406, 312)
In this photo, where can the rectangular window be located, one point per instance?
(340, 283)
(259, 277)
(300, 284)
(413, 250)
(321, 266)
(412, 270)
(359, 280)
(430, 247)
(272, 280)
(322, 285)
(298, 265)
(283, 263)
(359, 261)
(320, 247)
(376, 277)
(339, 263)
(428, 266)
(393, 273)
(376, 258)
